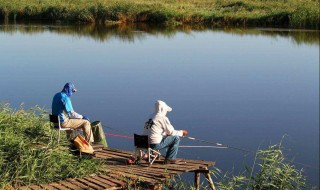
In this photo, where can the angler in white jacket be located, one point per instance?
(161, 133)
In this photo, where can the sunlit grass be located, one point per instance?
(283, 13)
(26, 155)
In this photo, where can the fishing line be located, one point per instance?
(117, 135)
(219, 144)
(118, 130)
(201, 147)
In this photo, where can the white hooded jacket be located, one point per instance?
(159, 125)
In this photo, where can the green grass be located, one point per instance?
(26, 156)
(280, 13)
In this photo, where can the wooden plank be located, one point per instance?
(69, 185)
(158, 178)
(118, 150)
(74, 182)
(23, 188)
(134, 177)
(120, 153)
(208, 163)
(173, 167)
(195, 166)
(115, 154)
(48, 187)
(120, 182)
(97, 146)
(34, 187)
(94, 181)
(98, 154)
(91, 185)
(140, 170)
(58, 186)
(106, 155)
(153, 171)
(202, 171)
(166, 168)
(110, 183)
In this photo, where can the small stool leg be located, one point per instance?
(58, 136)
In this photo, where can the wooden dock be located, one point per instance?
(117, 174)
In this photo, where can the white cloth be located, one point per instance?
(75, 115)
(159, 125)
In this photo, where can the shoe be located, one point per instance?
(170, 161)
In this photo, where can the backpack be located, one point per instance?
(82, 145)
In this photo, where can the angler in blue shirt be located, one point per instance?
(62, 106)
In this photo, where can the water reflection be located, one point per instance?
(133, 32)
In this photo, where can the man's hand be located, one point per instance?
(184, 132)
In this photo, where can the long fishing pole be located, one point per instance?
(201, 146)
(218, 144)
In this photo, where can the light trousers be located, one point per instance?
(79, 123)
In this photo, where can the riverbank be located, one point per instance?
(286, 13)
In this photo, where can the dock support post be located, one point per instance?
(207, 175)
(197, 180)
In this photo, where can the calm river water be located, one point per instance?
(244, 88)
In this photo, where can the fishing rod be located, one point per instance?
(218, 144)
(201, 147)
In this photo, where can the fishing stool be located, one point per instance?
(141, 145)
(55, 124)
